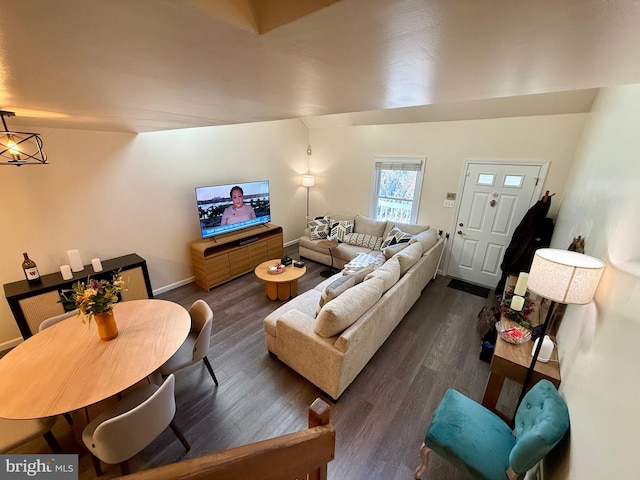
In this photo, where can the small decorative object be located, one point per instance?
(95, 299)
(521, 284)
(96, 264)
(520, 316)
(515, 335)
(75, 261)
(30, 270)
(517, 303)
(545, 351)
(65, 270)
(276, 269)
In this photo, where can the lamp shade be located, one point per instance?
(308, 181)
(564, 276)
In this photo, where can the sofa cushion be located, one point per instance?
(428, 239)
(396, 236)
(391, 250)
(335, 288)
(364, 240)
(369, 226)
(319, 228)
(409, 256)
(345, 310)
(389, 273)
(339, 229)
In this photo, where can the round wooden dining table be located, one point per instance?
(67, 367)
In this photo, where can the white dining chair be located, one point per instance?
(58, 318)
(14, 433)
(196, 345)
(124, 430)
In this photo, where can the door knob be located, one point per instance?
(460, 232)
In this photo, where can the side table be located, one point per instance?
(512, 362)
(328, 244)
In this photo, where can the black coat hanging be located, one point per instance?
(533, 232)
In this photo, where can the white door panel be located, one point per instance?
(494, 199)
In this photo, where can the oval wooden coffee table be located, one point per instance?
(279, 286)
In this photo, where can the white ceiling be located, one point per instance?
(147, 65)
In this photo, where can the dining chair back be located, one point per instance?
(124, 430)
(196, 345)
(14, 433)
(58, 318)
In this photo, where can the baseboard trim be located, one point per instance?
(5, 346)
(171, 286)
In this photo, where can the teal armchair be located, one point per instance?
(480, 444)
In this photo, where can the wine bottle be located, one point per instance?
(30, 269)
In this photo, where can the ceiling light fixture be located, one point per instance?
(20, 148)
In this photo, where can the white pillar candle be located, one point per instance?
(545, 350)
(75, 261)
(521, 285)
(517, 303)
(96, 264)
(65, 270)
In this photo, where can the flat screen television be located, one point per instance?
(229, 207)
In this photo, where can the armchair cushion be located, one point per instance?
(470, 437)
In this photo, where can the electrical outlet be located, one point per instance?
(449, 203)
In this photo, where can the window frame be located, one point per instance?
(416, 164)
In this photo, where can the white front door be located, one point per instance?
(494, 199)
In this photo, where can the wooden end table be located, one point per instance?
(280, 286)
(512, 362)
(328, 244)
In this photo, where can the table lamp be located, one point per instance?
(564, 277)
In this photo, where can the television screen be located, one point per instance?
(234, 206)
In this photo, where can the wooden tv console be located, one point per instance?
(219, 259)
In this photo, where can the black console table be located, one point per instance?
(32, 304)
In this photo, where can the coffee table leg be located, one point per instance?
(271, 289)
(284, 290)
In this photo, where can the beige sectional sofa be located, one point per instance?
(330, 345)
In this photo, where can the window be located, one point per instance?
(396, 189)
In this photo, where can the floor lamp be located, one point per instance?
(564, 277)
(308, 181)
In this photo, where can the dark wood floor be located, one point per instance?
(380, 419)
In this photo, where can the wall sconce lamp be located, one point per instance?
(20, 148)
(564, 277)
(308, 181)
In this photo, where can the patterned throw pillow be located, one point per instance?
(319, 228)
(359, 261)
(339, 229)
(364, 240)
(396, 236)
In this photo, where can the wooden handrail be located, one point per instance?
(300, 455)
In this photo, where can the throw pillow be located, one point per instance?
(358, 273)
(364, 240)
(334, 289)
(359, 261)
(319, 228)
(339, 229)
(396, 236)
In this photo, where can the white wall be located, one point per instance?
(109, 194)
(343, 158)
(598, 343)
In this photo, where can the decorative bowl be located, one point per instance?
(513, 333)
(275, 269)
